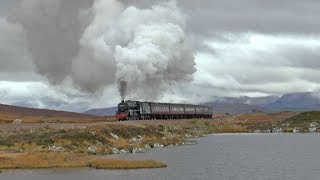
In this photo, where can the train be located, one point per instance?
(137, 110)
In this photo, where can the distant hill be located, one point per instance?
(239, 105)
(24, 111)
(255, 101)
(102, 112)
(234, 108)
(297, 102)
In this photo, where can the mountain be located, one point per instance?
(24, 111)
(255, 101)
(233, 108)
(297, 102)
(102, 112)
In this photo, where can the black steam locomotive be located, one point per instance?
(136, 110)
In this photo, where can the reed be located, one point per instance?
(125, 164)
(67, 160)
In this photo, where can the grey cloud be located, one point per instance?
(53, 30)
(14, 56)
(6, 6)
(272, 16)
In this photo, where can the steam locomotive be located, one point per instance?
(136, 110)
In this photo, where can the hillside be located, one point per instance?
(284, 122)
(304, 119)
(102, 112)
(23, 111)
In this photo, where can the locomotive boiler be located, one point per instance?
(136, 110)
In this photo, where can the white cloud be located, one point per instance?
(43, 95)
(261, 63)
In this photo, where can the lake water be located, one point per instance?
(226, 156)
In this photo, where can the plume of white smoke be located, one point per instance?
(150, 49)
(97, 43)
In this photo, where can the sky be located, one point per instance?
(71, 55)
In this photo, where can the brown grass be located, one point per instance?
(8, 118)
(249, 119)
(228, 127)
(64, 160)
(125, 164)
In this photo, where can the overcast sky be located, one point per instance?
(243, 47)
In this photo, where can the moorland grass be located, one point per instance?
(67, 160)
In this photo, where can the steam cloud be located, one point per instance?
(98, 43)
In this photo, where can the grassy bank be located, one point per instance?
(66, 160)
(287, 122)
(48, 146)
(105, 138)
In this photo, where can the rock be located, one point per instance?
(92, 149)
(257, 131)
(147, 146)
(137, 139)
(115, 151)
(296, 131)
(277, 130)
(114, 136)
(55, 148)
(312, 129)
(188, 136)
(286, 124)
(122, 151)
(17, 121)
(157, 145)
(138, 150)
(268, 131)
(190, 142)
(313, 124)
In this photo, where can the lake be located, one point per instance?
(223, 156)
